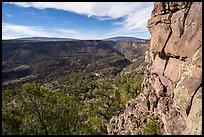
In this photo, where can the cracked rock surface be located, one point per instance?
(172, 86)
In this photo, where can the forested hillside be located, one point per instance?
(77, 86)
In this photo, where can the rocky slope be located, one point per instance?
(172, 86)
(132, 49)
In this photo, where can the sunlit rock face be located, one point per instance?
(172, 86)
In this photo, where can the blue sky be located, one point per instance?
(81, 20)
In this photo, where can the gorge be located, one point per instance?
(115, 86)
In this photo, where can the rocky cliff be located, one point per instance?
(172, 86)
(132, 49)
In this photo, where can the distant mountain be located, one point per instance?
(122, 38)
(71, 39)
(46, 39)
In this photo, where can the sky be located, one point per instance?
(80, 20)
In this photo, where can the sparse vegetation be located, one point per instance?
(152, 127)
(75, 92)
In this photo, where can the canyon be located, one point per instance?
(116, 86)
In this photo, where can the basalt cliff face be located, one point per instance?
(172, 86)
(132, 49)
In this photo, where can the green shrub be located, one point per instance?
(152, 127)
(83, 105)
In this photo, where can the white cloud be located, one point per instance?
(134, 14)
(135, 24)
(111, 9)
(21, 4)
(12, 31)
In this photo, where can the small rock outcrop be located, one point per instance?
(172, 86)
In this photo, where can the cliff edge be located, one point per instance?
(172, 86)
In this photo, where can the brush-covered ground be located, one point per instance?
(66, 87)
